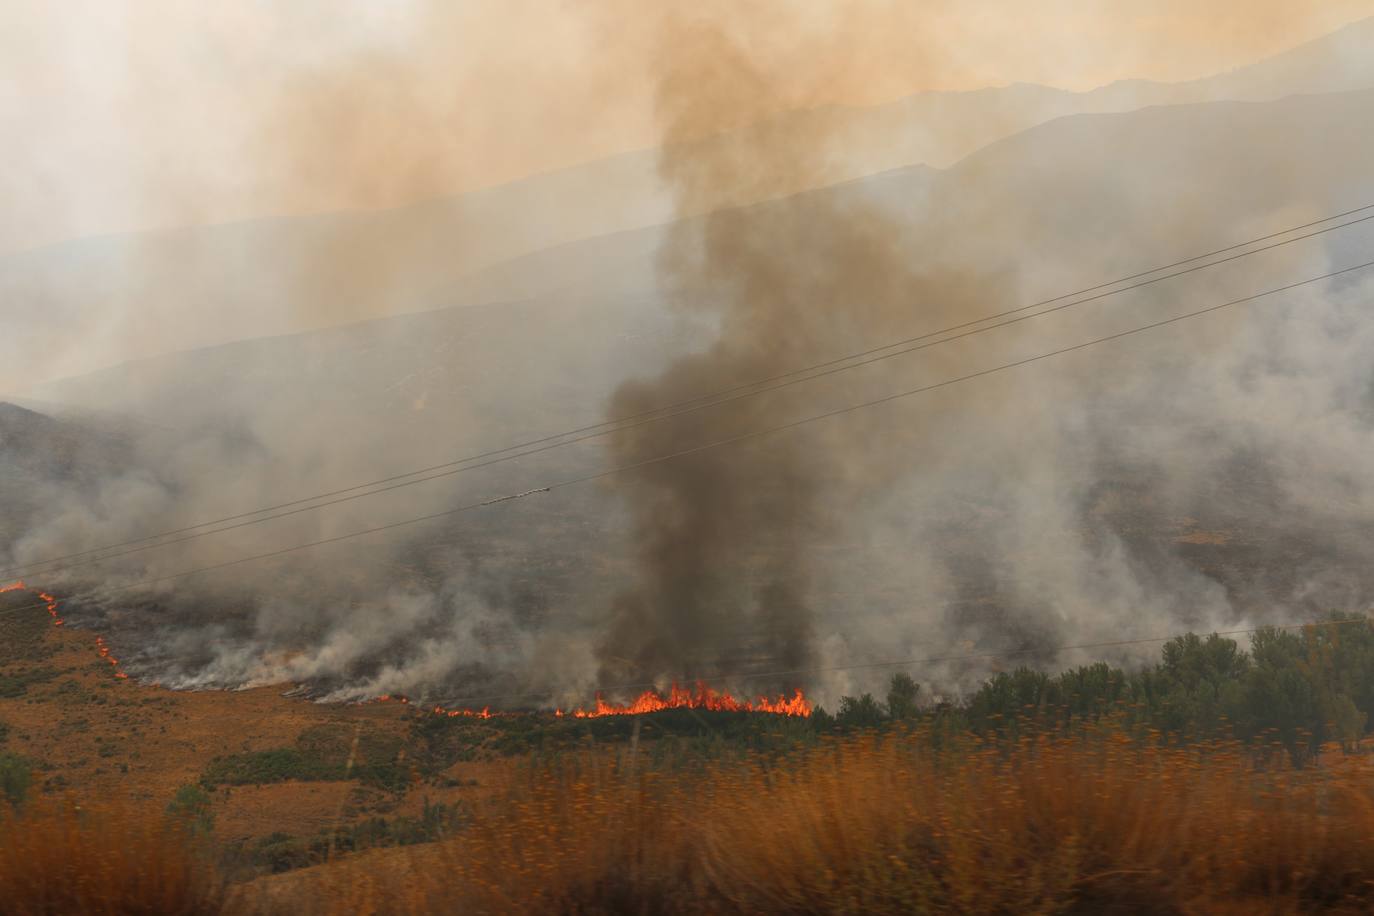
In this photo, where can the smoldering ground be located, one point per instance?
(1203, 476)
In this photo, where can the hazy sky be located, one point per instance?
(149, 113)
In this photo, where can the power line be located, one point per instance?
(735, 677)
(753, 434)
(669, 411)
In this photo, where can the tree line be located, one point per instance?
(1299, 688)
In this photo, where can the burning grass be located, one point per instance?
(702, 697)
(891, 824)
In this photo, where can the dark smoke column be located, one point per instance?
(723, 534)
(728, 537)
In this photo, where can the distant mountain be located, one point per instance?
(1237, 164)
(141, 294)
(34, 442)
(1339, 62)
(1039, 507)
(41, 456)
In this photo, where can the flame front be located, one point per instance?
(484, 713)
(703, 697)
(50, 602)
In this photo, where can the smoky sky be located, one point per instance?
(1203, 476)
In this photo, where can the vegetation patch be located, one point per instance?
(280, 851)
(15, 683)
(275, 765)
(439, 742)
(22, 629)
(16, 775)
(322, 754)
(192, 806)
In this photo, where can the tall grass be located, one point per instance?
(57, 858)
(1094, 823)
(888, 825)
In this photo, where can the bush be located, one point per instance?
(192, 806)
(16, 685)
(275, 765)
(15, 777)
(281, 852)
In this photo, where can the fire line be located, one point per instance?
(50, 602)
(700, 697)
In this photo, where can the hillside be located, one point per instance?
(207, 285)
(1106, 472)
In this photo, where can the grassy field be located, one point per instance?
(1097, 822)
(1218, 781)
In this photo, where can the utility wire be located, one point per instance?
(753, 434)
(668, 411)
(735, 677)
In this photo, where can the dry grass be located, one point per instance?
(1089, 824)
(1081, 825)
(61, 859)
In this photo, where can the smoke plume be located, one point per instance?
(1204, 475)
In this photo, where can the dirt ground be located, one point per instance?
(89, 734)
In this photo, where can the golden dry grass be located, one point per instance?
(59, 858)
(1086, 824)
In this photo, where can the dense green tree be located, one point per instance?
(863, 712)
(1089, 691)
(1295, 688)
(1009, 696)
(1279, 697)
(1348, 721)
(901, 697)
(1193, 689)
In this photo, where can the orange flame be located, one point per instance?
(51, 602)
(486, 712)
(703, 697)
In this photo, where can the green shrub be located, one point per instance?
(192, 804)
(282, 852)
(16, 684)
(15, 777)
(276, 765)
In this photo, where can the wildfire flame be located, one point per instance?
(485, 713)
(50, 602)
(702, 697)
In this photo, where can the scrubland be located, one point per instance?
(901, 821)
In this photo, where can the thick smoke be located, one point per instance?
(725, 536)
(1076, 541)
(1204, 475)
